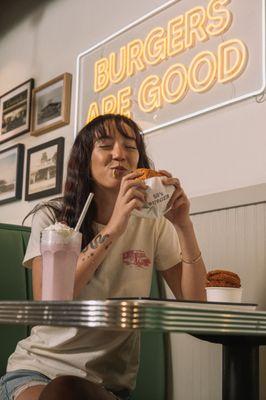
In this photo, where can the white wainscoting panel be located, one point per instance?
(234, 239)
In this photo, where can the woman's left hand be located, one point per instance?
(179, 204)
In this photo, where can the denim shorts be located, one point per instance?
(12, 383)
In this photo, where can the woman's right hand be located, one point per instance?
(131, 197)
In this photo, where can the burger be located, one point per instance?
(147, 173)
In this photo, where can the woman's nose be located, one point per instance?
(118, 151)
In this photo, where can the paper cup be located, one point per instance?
(224, 294)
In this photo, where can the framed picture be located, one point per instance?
(15, 111)
(11, 173)
(51, 105)
(44, 169)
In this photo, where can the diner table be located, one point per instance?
(240, 329)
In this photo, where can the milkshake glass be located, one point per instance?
(60, 248)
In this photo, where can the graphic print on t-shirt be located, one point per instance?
(136, 258)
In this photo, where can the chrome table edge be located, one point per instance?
(127, 314)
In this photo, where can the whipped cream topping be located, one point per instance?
(60, 228)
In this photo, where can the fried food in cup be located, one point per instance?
(223, 278)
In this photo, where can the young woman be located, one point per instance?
(73, 363)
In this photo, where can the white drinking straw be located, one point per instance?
(83, 213)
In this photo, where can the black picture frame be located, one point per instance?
(44, 171)
(15, 111)
(11, 173)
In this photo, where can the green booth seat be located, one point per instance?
(15, 284)
(154, 379)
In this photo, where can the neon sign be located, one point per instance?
(177, 55)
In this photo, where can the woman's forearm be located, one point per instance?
(91, 257)
(193, 278)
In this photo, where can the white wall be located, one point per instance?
(45, 44)
(218, 151)
(215, 152)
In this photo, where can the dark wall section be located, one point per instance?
(14, 11)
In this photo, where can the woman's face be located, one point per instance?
(113, 157)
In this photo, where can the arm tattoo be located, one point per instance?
(99, 239)
(85, 249)
(108, 245)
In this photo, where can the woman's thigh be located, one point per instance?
(14, 383)
(70, 387)
(30, 393)
(32, 385)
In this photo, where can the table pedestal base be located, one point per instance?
(241, 372)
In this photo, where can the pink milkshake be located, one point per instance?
(60, 248)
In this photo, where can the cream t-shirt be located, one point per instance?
(107, 357)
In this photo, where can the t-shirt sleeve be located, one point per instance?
(41, 219)
(168, 249)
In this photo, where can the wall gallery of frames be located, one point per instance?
(35, 111)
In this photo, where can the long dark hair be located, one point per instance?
(79, 181)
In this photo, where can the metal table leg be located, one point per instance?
(241, 371)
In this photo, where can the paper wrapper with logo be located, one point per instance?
(158, 196)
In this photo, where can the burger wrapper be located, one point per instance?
(158, 196)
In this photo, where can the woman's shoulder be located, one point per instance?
(46, 213)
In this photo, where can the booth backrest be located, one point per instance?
(154, 380)
(15, 284)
